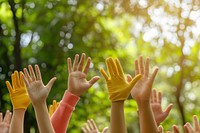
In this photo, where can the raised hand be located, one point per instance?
(77, 82)
(118, 87)
(37, 91)
(188, 127)
(156, 102)
(18, 94)
(5, 122)
(90, 127)
(53, 107)
(142, 90)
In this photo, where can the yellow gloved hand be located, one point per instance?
(18, 94)
(53, 107)
(118, 88)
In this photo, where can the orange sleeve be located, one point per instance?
(60, 118)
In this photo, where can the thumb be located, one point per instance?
(168, 109)
(94, 80)
(105, 130)
(135, 79)
(50, 83)
(128, 78)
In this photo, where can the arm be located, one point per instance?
(118, 90)
(5, 122)
(156, 101)
(77, 85)
(141, 93)
(38, 93)
(20, 101)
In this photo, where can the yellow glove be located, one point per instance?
(118, 88)
(18, 94)
(53, 107)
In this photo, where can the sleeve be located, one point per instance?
(60, 118)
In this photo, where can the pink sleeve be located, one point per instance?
(60, 118)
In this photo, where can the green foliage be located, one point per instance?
(51, 31)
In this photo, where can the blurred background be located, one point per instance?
(46, 32)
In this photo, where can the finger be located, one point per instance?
(1, 117)
(189, 127)
(160, 129)
(26, 74)
(84, 130)
(54, 105)
(7, 117)
(196, 123)
(185, 129)
(102, 71)
(146, 73)
(168, 109)
(32, 73)
(75, 65)
(129, 78)
(93, 124)
(175, 129)
(153, 76)
(110, 67)
(69, 65)
(119, 67)
(80, 65)
(25, 80)
(141, 67)
(13, 79)
(154, 96)
(105, 130)
(89, 124)
(94, 80)
(159, 98)
(38, 73)
(10, 89)
(136, 67)
(50, 83)
(21, 79)
(135, 79)
(87, 66)
(50, 110)
(17, 81)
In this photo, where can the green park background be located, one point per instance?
(46, 32)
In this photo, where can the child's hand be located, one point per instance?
(18, 94)
(37, 91)
(118, 87)
(188, 127)
(77, 82)
(5, 122)
(142, 90)
(91, 127)
(159, 114)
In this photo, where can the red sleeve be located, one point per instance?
(60, 118)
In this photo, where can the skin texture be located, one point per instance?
(91, 127)
(38, 93)
(20, 101)
(141, 92)
(5, 122)
(156, 105)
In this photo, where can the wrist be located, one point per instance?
(70, 98)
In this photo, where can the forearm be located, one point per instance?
(43, 119)
(61, 117)
(146, 118)
(17, 122)
(117, 118)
